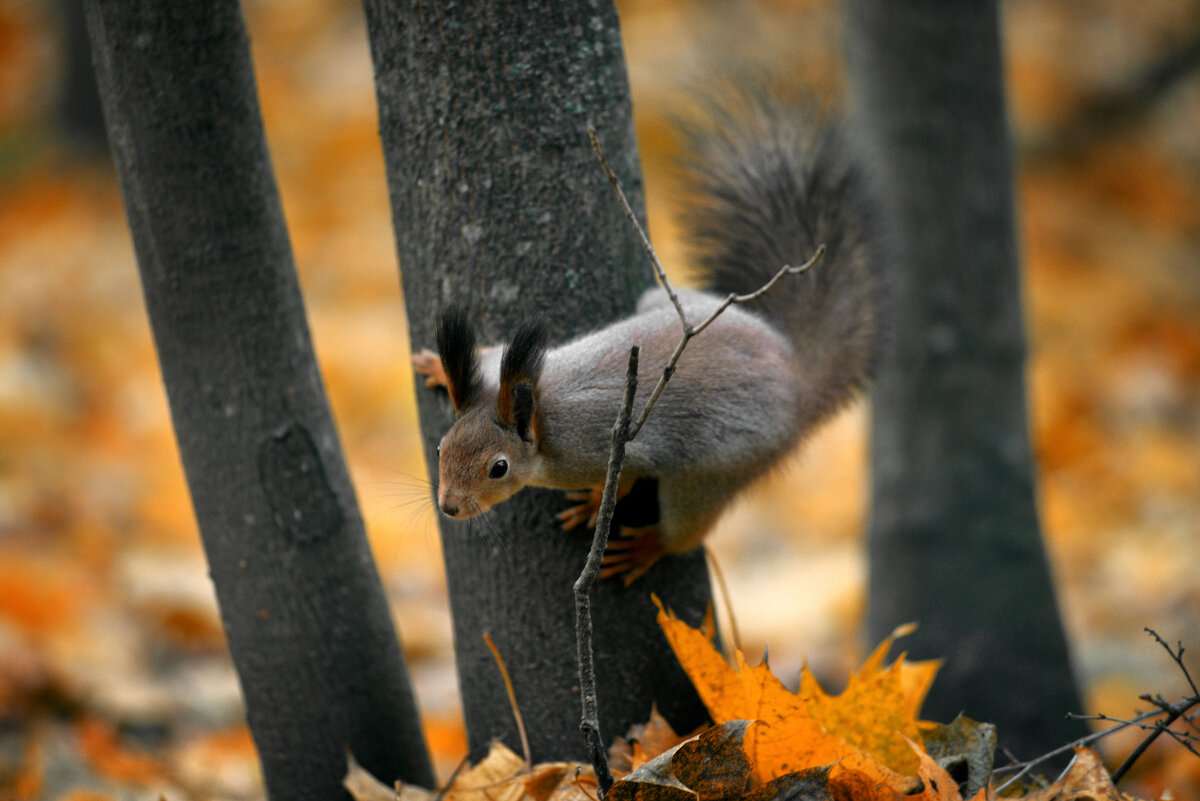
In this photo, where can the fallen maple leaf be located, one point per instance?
(878, 704)
(714, 766)
(792, 736)
(643, 742)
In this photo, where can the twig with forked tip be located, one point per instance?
(689, 330)
(1173, 713)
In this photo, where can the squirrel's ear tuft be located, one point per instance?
(456, 344)
(520, 369)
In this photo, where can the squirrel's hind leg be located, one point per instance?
(633, 553)
(688, 506)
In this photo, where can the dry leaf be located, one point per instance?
(653, 781)
(962, 743)
(1086, 780)
(854, 785)
(643, 742)
(790, 737)
(878, 704)
(493, 779)
(362, 785)
(805, 785)
(939, 785)
(543, 780)
(712, 766)
(561, 781)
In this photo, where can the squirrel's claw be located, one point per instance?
(584, 512)
(589, 509)
(632, 554)
(429, 364)
(574, 515)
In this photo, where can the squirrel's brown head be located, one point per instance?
(489, 452)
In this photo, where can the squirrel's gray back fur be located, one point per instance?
(769, 183)
(769, 180)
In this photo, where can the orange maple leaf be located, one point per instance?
(811, 729)
(879, 703)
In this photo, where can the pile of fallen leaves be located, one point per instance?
(767, 742)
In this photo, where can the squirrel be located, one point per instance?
(770, 181)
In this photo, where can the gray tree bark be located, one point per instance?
(304, 611)
(499, 205)
(79, 114)
(954, 541)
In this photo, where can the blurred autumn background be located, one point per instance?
(113, 672)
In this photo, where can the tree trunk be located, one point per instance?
(954, 541)
(304, 611)
(79, 114)
(499, 205)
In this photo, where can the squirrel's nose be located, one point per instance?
(449, 508)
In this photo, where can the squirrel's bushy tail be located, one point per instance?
(771, 180)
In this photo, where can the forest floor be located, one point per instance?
(114, 678)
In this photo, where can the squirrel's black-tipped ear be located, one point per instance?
(520, 369)
(524, 410)
(456, 345)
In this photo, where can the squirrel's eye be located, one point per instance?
(498, 469)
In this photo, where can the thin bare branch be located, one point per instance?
(589, 722)
(786, 269)
(1023, 768)
(1165, 712)
(1174, 712)
(690, 331)
(441, 794)
(1177, 656)
(637, 226)
(1184, 738)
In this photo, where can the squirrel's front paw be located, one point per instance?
(633, 553)
(429, 364)
(585, 512)
(589, 509)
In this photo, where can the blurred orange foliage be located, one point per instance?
(106, 614)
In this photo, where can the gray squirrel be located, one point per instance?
(770, 181)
